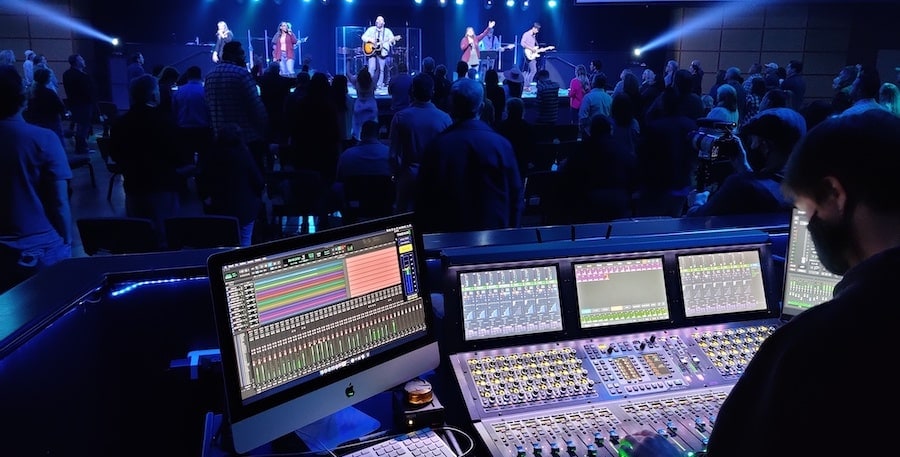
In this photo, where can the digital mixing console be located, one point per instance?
(579, 397)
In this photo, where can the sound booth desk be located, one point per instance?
(552, 339)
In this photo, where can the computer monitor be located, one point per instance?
(313, 324)
(506, 302)
(806, 282)
(623, 291)
(722, 283)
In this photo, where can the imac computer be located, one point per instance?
(726, 282)
(622, 291)
(313, 324)
(806, 282)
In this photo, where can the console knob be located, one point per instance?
(570, 446)
(536, 447)
(591, 450)
(520, 451)
(598, 438)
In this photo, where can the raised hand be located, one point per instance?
(491, 24)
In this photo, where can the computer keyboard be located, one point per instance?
(424, 443)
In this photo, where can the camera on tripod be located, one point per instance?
(716, 145)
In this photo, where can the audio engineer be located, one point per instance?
(794, 397)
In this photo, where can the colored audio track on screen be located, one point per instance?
(621, 292)
(722, 282)
(509, 302)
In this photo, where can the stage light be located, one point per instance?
(524, 5)
(488, 4)
(459, 2)
(114, 41)
(56, 16)
(443, 2)
(637, 52)
(551, 3)
(418, 2)
(510, 3)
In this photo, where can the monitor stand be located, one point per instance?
(348, 424)
(331, 431)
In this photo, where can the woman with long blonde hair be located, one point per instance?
(578, 87)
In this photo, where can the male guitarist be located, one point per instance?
(377, 42)
(532, 52)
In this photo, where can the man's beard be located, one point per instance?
(832, 240)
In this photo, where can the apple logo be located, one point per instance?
(349, 392)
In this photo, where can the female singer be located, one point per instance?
(283, 48)
(223, 35)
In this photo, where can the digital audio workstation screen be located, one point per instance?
(301, 314)
(621, 292)
(806, 281)
(510, 302)
(722, 282)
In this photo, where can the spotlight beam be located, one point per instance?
(703, 20)
(57, 17)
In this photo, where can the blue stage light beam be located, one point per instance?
(57, 17)
(704, 19)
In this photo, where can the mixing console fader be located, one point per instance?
(579, 397)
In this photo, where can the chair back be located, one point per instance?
(117, 235)
(207, 231)
(368, 197)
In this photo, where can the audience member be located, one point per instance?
(35, 217)
(28, 68)
(495, 93)
(547, 96)
(864, 91)
(232, 184)
(45, 108)
(135, 67)
(274, 90)
(370, 157)
(666, 158)
(795, 83)
(411, 131)
(399, 88)
(755, 185)
(192, 118)
(469, 179)
(513, 82)
(143, 143)
(842, 84)
(726, 108)
(167, 79)
(7, 57)
(687, 102)
(441, 88)
(233, 98)
(340, 93)
(314, 130)
(366, 107)
(669, 73)
(579, 86)
(600, 177)
(889, 97)
(696, 77)
(82, 99)
(597, 102)
(520, 134)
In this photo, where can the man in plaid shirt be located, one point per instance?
(233, 98)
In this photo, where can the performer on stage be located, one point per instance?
(530, 44)
(223, 35)
(490, 42)
(469, 44)
(377, 42)
(283, 48)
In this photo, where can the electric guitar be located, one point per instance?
(370, 49)
(531, 55)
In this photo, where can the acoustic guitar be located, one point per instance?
(370, 49)
(531, 55)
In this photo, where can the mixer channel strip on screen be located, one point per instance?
(579, 397)
(501, 303)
